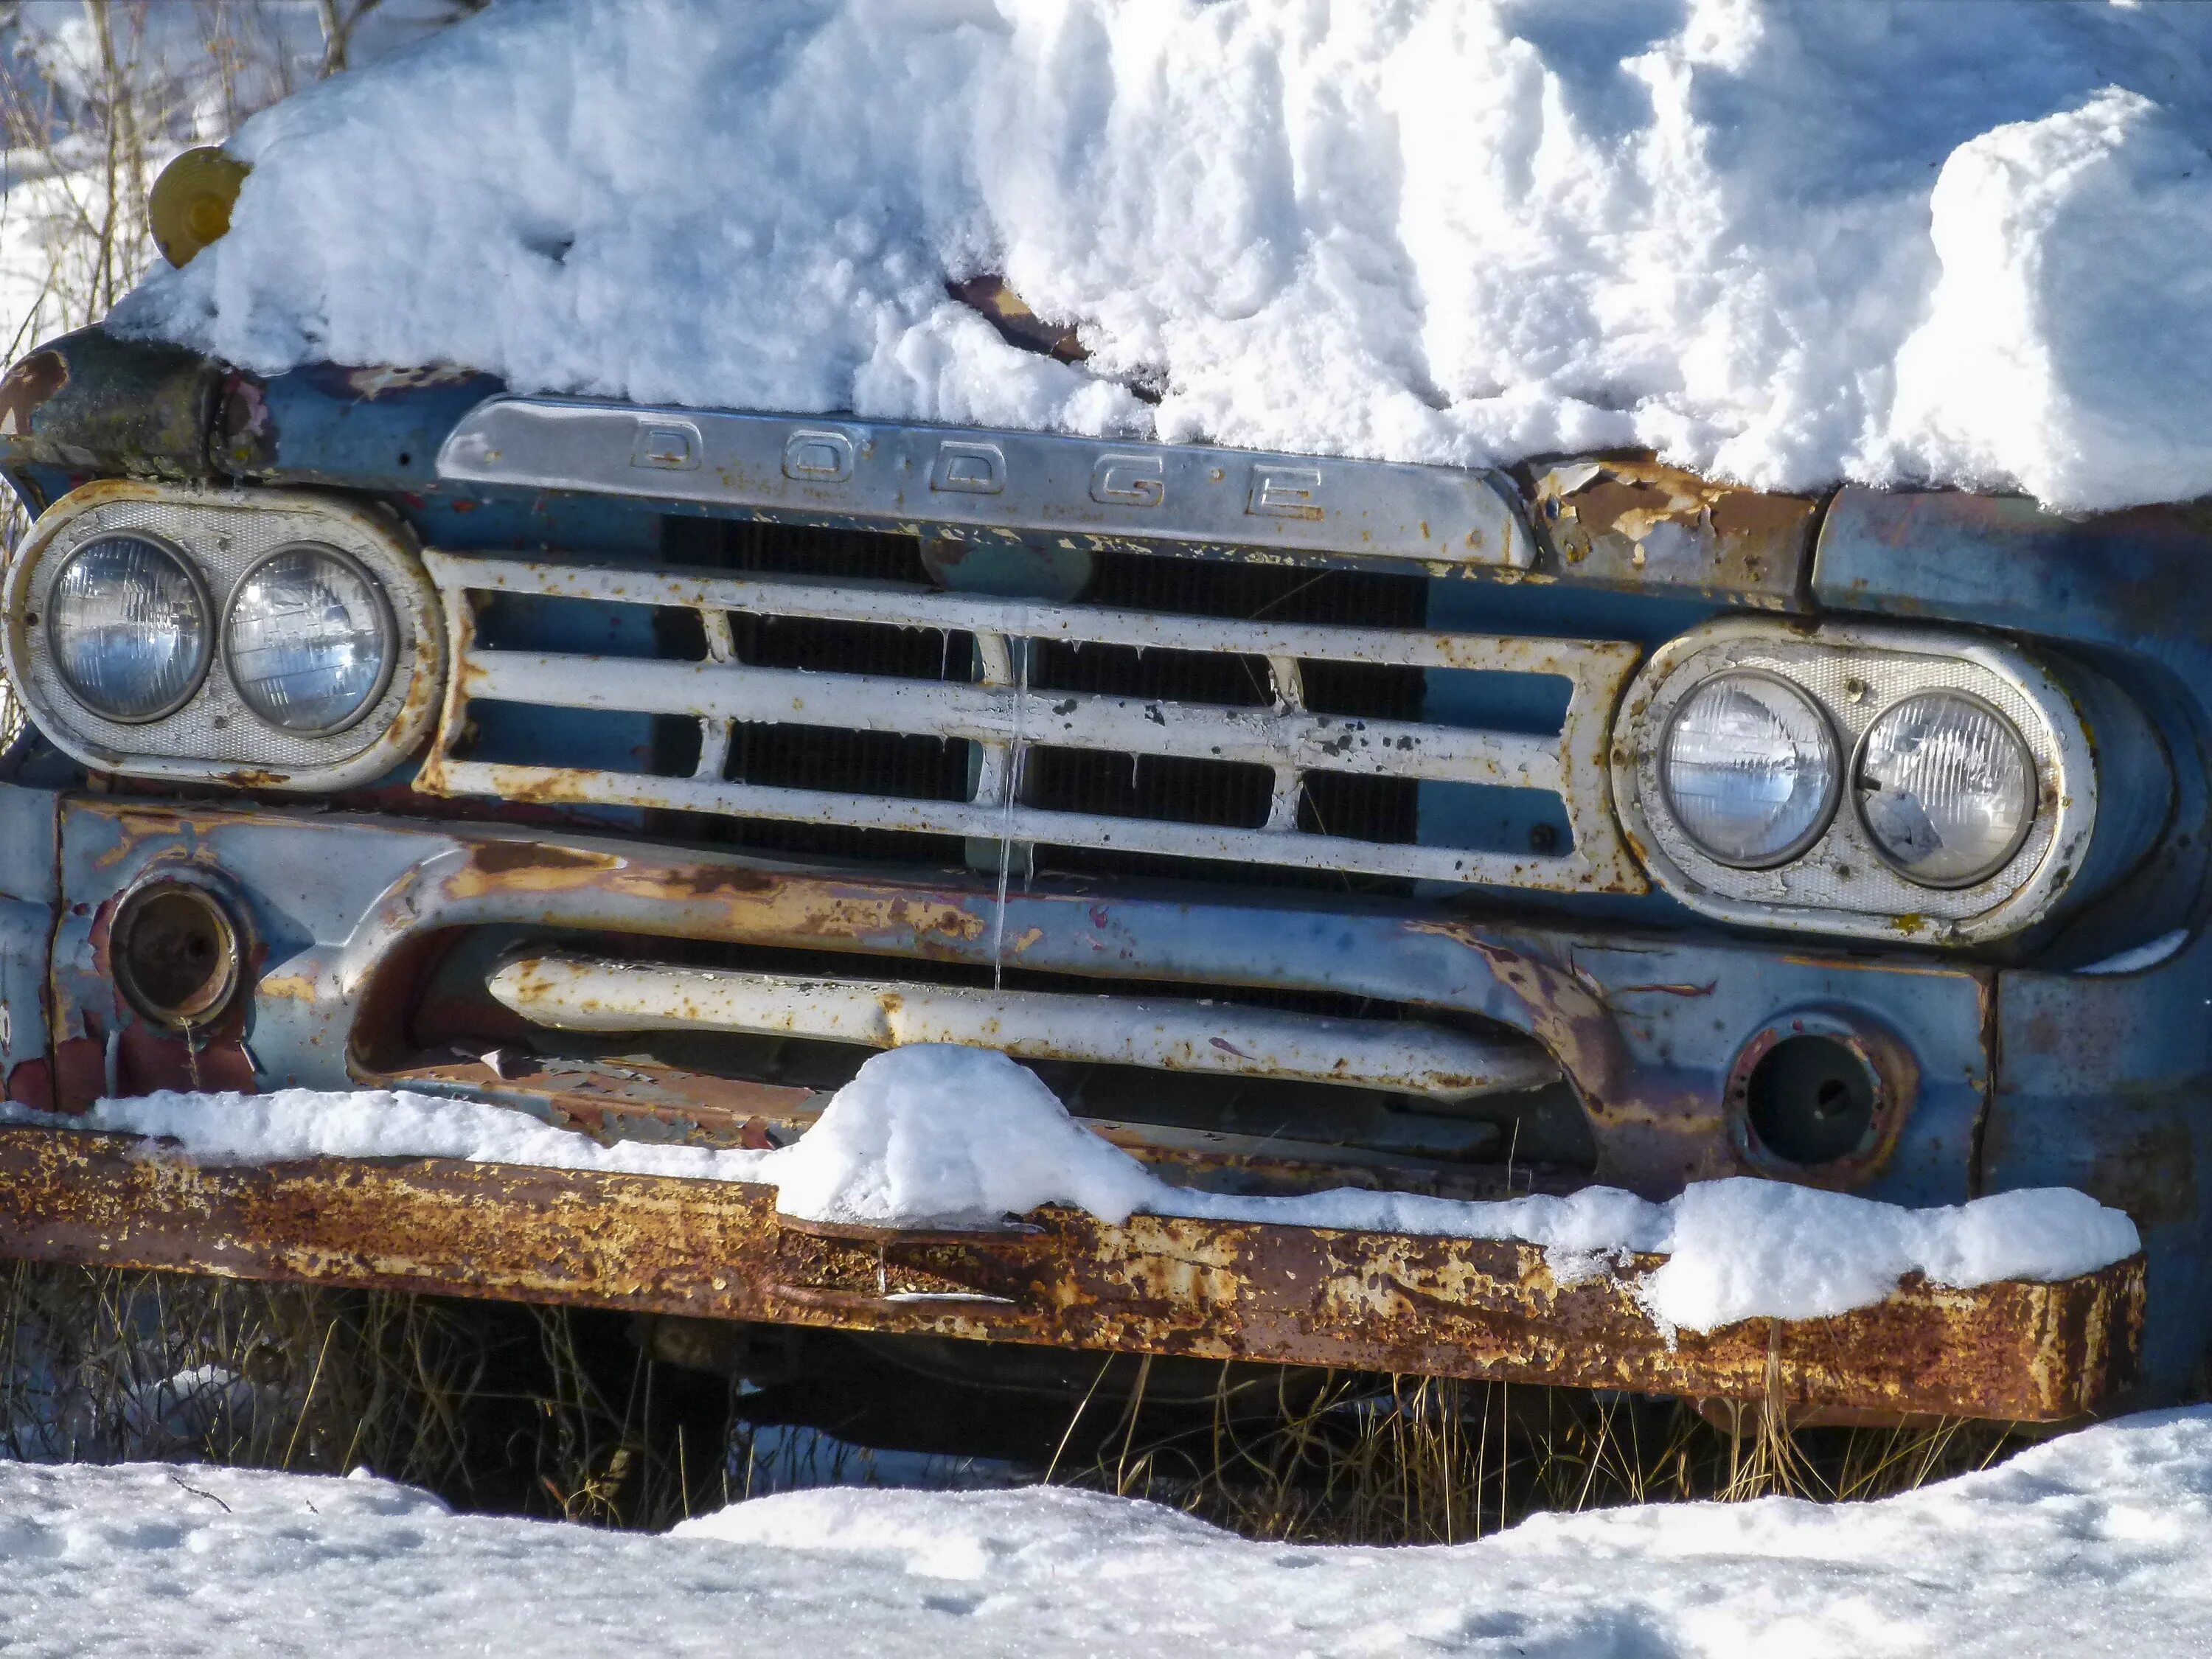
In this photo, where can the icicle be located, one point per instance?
(1016, 759)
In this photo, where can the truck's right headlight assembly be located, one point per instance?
(1886, 782)
(268, 639)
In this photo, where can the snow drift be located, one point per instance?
(2099, 1543)
(932, 1135)
(1964, 244)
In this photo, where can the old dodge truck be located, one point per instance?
(1303, 822)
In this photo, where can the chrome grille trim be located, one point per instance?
(1001, 716)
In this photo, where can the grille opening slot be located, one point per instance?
(1375, 691)
(837, 761)
(1257, 592)
(1364, 809)
(742, 544)
(1485, 818)
(1534, 704)
(1229, 794)
(841, 761)
(550, 622)
(815, 645)
(1219, 677)
(502, 733)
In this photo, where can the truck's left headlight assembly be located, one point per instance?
(270, 639)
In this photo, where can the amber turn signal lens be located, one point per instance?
(189, 203)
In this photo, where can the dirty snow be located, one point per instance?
(2097, 1543)
(937, 1135)
(1967, 243)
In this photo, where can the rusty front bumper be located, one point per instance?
(1385, 1302)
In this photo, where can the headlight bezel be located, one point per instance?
(214, 736)
(1842, 884)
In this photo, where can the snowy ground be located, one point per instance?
(938, 1135)
(2098, 1543)
(1968, 242)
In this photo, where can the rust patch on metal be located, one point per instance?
(497, 858)
(636, 1099)
(32, 1083)
(1630, 522)
(1474, 1308)
(2151, 1175)
(26, 386)
(1018, 325)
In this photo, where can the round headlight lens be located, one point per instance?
(308, 639)
(1750, 769)
(1947, 789)
(127, 626)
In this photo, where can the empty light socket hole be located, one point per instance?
(1811, 1099)
(175, 955)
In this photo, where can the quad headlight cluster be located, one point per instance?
(275, 634)
(1872, 780)
(1753, 773)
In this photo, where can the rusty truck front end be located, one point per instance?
(1301, 822)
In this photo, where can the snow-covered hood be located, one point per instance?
(1962, 244)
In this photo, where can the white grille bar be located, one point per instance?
(1000, 714)
(571, 993)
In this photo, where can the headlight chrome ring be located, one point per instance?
(2008, 828)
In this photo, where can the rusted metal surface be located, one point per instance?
(1002, 717)
(1628, 522)
(93, 402)
(1386, 1301)
(1647, 1064)
(1222, 1038)
(1017, 324)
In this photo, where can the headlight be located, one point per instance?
(1749, 767)
(127, 624)
(308, 639)
(1946, 787)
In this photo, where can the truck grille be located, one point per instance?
(811, 684)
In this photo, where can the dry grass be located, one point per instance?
(1413, 1460)
(492, 1408)
(556, 1412)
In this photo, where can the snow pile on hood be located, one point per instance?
(2096, 1543)
(934, 1135)
(1967, 243)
